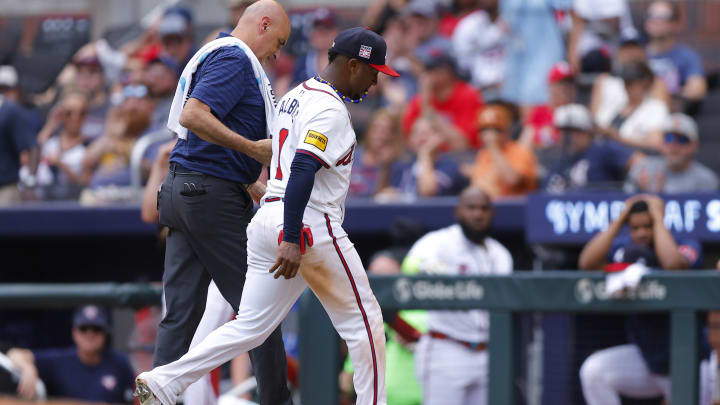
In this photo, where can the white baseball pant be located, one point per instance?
(451, 374)
(217, 312)
(334, 272)
(621, 370)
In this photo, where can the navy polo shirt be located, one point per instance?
(226, 83)
(18, 128)
(110, 381)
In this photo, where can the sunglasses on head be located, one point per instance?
(671, 137)
(90, 328)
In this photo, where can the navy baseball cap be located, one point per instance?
(91, 315)
(365, 45)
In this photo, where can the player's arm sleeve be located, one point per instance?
(327, 137)
(693, 65)
(297, 194)
(223, 82)
(692, 251)
(24, 130)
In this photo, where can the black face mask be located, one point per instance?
(474, 235)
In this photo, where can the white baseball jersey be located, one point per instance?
(311, 119)
(448, 252)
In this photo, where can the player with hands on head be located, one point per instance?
(641, 368)
(303, 209)
(647, 229)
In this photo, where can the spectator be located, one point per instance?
(382, 145)
(504, 168)
(428, 173)
(90, 371)
(17, 136)
(639, 369)
(445, 101)
(586, 163)
(451, 359)
(534, 45)
(675, 171)
(176, 35)
(324, 30)
(60, 174)
(459, 9)
(608, 93)
(479, 43)
(639, 123)
(160, 77)
(539, 132)
(679, 66)
(90, 80)
(9, 84)
(421, 21)
(106, 161)
(597, 28)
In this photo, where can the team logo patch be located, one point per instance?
(109, 382)
(365, 51)
(317, 140)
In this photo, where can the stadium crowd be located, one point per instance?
(505, 96)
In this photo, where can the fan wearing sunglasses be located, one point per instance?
(676, 170)
(89, 371)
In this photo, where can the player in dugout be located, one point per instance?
(641, 368)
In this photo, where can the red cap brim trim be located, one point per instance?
(385, 69)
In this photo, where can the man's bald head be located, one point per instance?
(474, 193)
(264, 27)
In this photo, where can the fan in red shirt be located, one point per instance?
(539, 131)
(450, 104)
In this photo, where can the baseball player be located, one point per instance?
(302, 211)
(451, 360)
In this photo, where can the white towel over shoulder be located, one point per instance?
(181, 93)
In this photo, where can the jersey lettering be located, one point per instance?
(281, 141)
(291, 107)
(347, 159)
(316, 139)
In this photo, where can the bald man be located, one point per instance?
(205, 200)
(451, 360)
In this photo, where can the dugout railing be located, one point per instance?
(683, 294)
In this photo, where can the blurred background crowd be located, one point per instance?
(513, 96)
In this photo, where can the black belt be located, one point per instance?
(178, 168)
(474, 346)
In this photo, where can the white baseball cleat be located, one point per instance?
(143, 393)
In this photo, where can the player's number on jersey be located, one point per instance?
(282, 136)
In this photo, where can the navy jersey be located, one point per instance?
(651, 331)
(65, 376)
(225, 82)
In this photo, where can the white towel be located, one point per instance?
(629, 279)
(181, 93)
